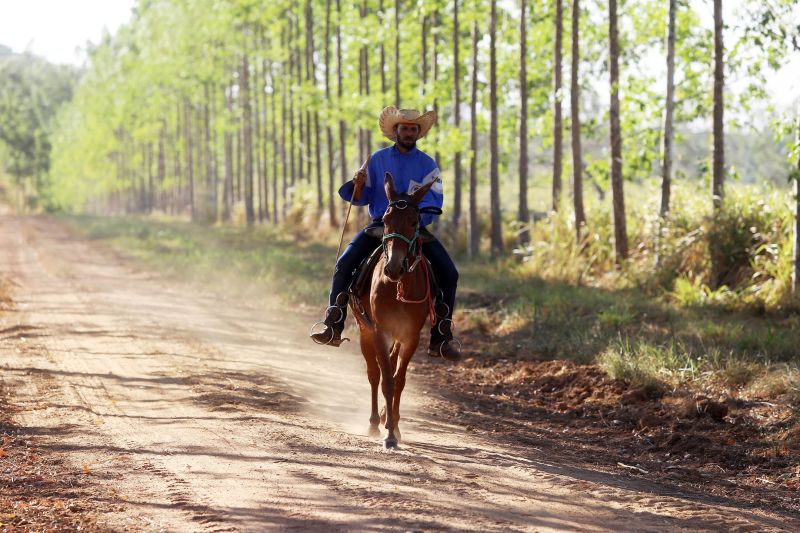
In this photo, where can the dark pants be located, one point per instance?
(362, 245)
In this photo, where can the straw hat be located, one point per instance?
(391, 116)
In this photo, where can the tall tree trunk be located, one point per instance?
(311, 78)
(274, 137)
(237, 196)
(150, 180)
(577, 157)
(423, 65)
(368, 131)
(162, 165)
(382, 53)
(292, 145)
(620, 229)
(227, 181)
(397, 53)
(456, 119)
(363, 75)
(558, 149)
(718, 178)
(142, 203)
(473, 228)
(523, 215)
(494, 173)
(264, 136)
(284, 162)
(340, 91)
(214, 160)
(248, 141)
(666, 162)
(175, 189)
(189, 160)
(796, 251)
(309, 151)
(211, 208)
(329, 104)
(259, 170)
(435, 77)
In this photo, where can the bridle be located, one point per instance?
(414, 243)
(415, 250)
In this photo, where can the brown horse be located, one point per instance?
(396, 306)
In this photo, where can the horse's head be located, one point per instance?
(401, 227)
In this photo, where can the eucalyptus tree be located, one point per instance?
(669, 113)
(620, 228)
(718, 163)
(397, 7)
(795, 178)
(523, 215)
(32, 92)
(340, 93)
(328, 129)
(494, 183)
(457, 186)
(575, 123)
(311, 81)
(473, 224)
(557, 91)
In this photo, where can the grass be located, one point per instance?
(239, 260)
(663, 318)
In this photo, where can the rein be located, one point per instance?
(414, 249)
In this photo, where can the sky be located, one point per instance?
(58, 30)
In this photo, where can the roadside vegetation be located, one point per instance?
(665, 319)
(664, 369)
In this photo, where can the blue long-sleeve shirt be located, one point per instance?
(411, 170)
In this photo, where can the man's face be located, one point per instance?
(407, 135)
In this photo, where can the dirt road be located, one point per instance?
(198, 413)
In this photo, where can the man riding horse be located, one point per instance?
(412, 169)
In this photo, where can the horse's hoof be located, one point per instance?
(390, 443)
(374, 430)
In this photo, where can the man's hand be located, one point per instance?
(360, 178)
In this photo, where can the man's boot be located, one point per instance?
(442, 342)
(334, 323)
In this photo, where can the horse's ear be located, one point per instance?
(388, 185)
(420, 193)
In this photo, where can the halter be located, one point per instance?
(414, 249)
(412, 243)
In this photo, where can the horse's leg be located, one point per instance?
(406, 354)
(393, 356)
(374, 376)
(393, 363)
(387, 386)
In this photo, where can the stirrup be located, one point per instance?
(438, 353)
(329, 323)
(331, 341)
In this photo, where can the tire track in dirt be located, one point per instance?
(202, 414)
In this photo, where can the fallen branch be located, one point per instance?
(631, 467)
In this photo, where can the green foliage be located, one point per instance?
(645, 337)
(32, 90)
